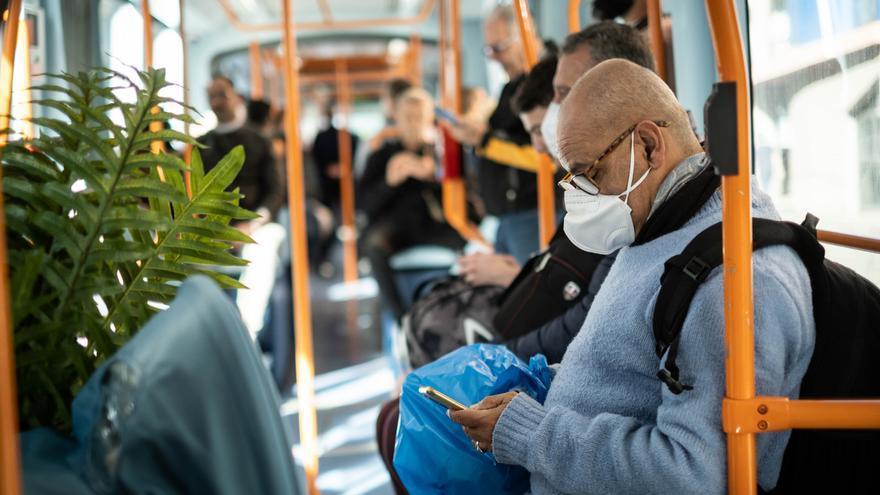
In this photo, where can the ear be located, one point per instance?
(652, 139)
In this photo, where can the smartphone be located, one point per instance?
(442, 399)
(443, 114)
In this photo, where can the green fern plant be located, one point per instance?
(101, 231)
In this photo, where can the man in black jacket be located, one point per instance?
(400, 194)
(260, 180)
(507, 160)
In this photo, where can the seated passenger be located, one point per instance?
(538, 112)
(392, 92)
(400, 194)
(551, 81)
(608, 424)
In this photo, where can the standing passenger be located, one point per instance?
(260, 180)
(325, 151)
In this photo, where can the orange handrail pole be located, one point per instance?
(443, 46)
(148, 33)
(10, 461)
(182, 31)
(546, 186)
(361, 76)
(737, 247)
(767, 414)
(346, 178)
(453, 192)
(658, 46)
(187, 152)
(849, 240)
(238, 24)
(574, 16)
(256, 71)
(156, 146)
(326, 13)
(21, 80)
(305, 361)
(415, 46)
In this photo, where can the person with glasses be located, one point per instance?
(641, 184)
(506, 159)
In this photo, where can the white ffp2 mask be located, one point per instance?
(601, 223)
(548, 129)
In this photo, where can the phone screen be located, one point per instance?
(442, 399)
(443, 114)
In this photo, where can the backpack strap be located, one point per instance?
(685, 273)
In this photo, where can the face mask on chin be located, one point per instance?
(601, 223)
(548, 129)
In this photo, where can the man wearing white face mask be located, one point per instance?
(581, 52)
(641, 183)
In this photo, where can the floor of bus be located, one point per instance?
(353, 379)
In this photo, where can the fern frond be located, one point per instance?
(95, 237)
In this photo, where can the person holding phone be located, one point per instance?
(400, 194)
(506, 159)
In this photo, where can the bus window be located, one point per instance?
(815, 72)
(169, 48)
(126, 48)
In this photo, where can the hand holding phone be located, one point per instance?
(442, 399)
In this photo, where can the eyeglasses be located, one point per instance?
(497, 48)
(585, 181)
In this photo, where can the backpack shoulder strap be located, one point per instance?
(685, 272)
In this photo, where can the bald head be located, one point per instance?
(610, 98)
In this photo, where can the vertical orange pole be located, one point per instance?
(187, 151)
(415, 47)
(737, 246)
(10, 463)
(346, 178)
(453, 187)
(305, 361)
(546, 197)
(443, 42)
(148, 33)
(658, 46)
(455, 50)
(21, 81)
(185, 44)
(574, 16)
(256, 71)
(156, 146)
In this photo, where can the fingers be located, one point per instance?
(477, 425)
(490, 402)
(470, 418)
(493, 401)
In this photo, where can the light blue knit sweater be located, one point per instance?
(609, 426)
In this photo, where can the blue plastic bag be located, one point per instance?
(432, 454)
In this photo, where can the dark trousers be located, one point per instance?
(388, 236)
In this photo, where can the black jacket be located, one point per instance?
(505, 189)
(261, 179)
(412, 203)
(325, 150)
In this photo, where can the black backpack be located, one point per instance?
(452, 314)
(546, 287)
(846, 309)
